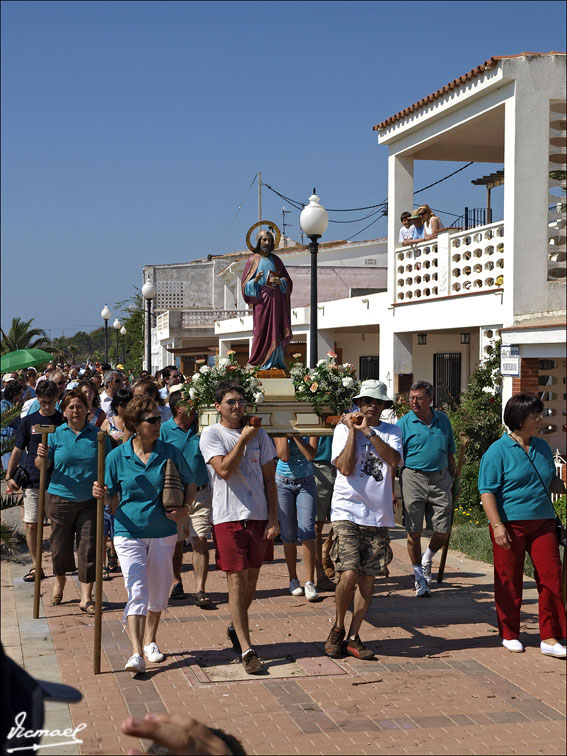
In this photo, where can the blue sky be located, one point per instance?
(131, 131)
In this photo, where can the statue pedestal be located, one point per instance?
(280, 411)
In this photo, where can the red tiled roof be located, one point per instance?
(486, 66)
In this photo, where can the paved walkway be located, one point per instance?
(441, 682)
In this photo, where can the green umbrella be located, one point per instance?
(24, 358)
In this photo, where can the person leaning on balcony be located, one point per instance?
(431, 223)
(426, 479)
(405, 236)
(417, 229)
(515, 478)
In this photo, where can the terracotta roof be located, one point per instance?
(486, 66)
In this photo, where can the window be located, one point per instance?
(447, 379)
(369, 367)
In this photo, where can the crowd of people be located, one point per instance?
(169, 486)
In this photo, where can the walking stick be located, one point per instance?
(464, 443)
(45, 430)
(101, 439)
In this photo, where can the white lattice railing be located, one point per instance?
(199, 318)
(455, 263)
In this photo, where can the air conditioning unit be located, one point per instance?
(370, 261)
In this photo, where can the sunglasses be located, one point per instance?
(423, 212)
(154, 420)
(370, 400)
(234, 402)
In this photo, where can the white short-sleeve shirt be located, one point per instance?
(242, 496)
(365, 497)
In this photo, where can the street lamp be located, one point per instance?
(117, 325)
(314, 220)
(105, 315)
(123, 332)
(148, 292)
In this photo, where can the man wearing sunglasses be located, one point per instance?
(364, 452)
(240, 462)
(112, 382)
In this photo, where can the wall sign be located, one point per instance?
(510, 360)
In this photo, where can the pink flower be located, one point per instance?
(307, 379)
(314, 387)
(231, 351)
(331, 354)
(199, 362)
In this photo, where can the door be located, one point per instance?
(447, 379)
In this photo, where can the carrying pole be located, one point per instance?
(101, 440)
(464, 443)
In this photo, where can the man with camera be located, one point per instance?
(27, 476)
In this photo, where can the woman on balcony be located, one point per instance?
(431, 223)
(516, 475)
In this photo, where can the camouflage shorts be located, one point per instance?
(359, 547)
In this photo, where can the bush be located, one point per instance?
(559, 507)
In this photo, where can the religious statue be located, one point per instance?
(266, 286)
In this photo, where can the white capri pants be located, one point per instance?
(148, 572)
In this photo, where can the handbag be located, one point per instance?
(559, 527)
(21, 477)
(173, 494)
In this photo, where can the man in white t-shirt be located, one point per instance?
(240, 464)
(364, 452)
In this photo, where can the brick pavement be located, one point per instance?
(441, 682)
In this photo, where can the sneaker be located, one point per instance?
(311, 592)
(513, 645)
(136, 664)
(354, 647)
(334, 643)
(426, 567)
(556, 650)
(251, 663)
(421, 588)
(233, 638)
(152, 653)
(294, 588)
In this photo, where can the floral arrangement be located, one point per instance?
(328, 386)
(200, 390)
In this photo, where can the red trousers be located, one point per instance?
(538, 538)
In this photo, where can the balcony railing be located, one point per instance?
(452, 264)
(204, 318)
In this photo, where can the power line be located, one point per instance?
(238, 209)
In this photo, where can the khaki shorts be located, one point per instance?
(359, 547)
(197, 522)
(427, 495)
(31, 504)
(325, 474)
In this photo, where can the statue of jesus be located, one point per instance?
(266, 286)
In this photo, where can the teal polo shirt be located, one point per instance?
(324, 446)
(506, 472)
(427, 447)
(74, 458)
(140, 513)
(188, 444)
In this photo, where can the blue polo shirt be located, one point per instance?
(506, 472)
(140, 513)
(297, 465)
(188, 444)
(74, 458)
(426, 447)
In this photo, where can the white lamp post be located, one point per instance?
(117, 325)
(123, 332)
(105, 315)
(314, 220)
(148, 292)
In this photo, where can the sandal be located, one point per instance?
(56, 599)
(177, 592)
(112, 561)
(202, 600)
(89, 608)
(29, 577)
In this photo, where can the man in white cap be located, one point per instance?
(364, 452)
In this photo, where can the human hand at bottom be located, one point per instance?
(180, 734)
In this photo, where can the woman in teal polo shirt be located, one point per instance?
(144, 532)
(72, 450)
(514, 481)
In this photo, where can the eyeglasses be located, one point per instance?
(154, 420)
(417, 399)
(537, 415)
(234, 402)
(369, 400)
(117, 380)
(423, 212)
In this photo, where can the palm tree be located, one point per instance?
(22, 336)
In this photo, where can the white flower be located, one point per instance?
(321, 362)
(204, 369)
(195, 377)
(192, 393)
(347, 365)
(223, 362)
(347, 382)
(258, 397)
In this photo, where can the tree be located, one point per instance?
(22, 336)
(132, 318)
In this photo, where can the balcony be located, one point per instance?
(453, 264)
(207, 318)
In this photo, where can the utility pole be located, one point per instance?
(284, 213)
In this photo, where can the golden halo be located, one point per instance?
(271, 226)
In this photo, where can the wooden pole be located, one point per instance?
(464, 443)
(45, 430)
(101, 439)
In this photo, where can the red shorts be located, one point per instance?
(240, 545)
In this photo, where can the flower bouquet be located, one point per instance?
(328, 386)
(199, 392)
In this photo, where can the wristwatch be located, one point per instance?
(372, 433)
